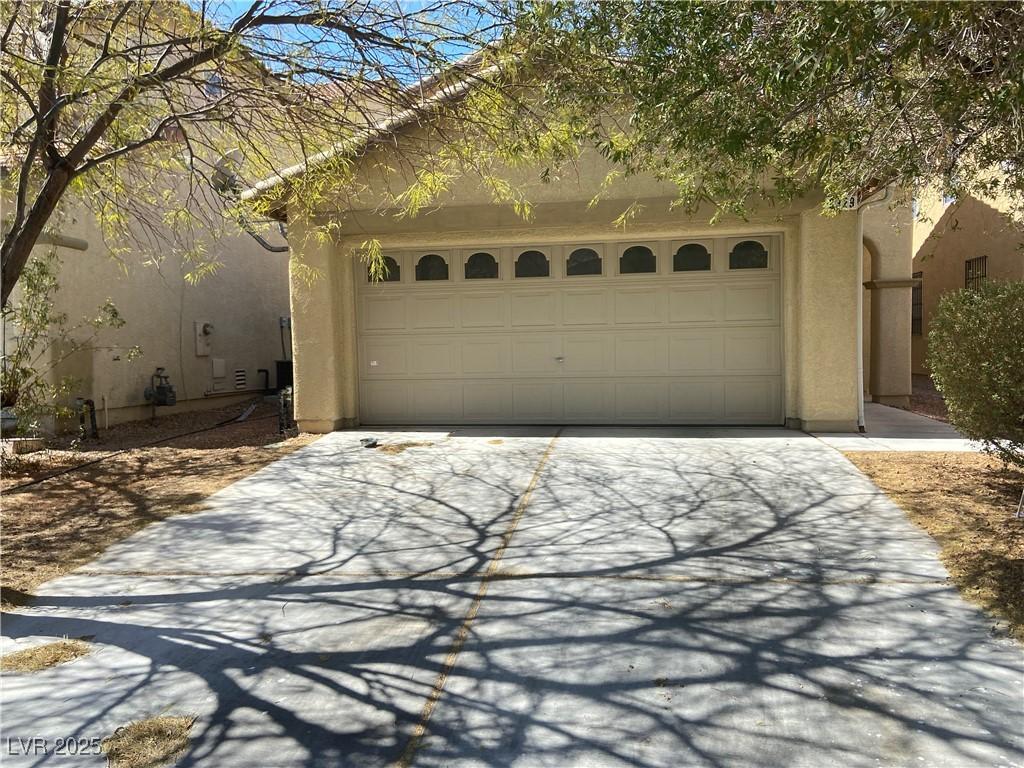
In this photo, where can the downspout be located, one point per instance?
(861, 423)
(262, 242)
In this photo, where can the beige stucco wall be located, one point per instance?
(888, 241)
(243, 300)
(824, 322)
(945, 237)
(820, 279)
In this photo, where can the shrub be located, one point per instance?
(976, 354)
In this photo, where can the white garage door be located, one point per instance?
(654, 332)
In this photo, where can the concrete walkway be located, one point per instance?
(893, 429)
(614, 597)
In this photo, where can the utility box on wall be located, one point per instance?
(204, 334)
(218, 368)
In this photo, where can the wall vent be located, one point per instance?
(240, 379)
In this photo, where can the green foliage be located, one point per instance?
(43, 338)
(155, 114)
(976, 353)
(371, 254)
(733, 101)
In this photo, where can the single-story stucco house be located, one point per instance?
(485, 318)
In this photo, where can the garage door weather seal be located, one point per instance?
(409, 753)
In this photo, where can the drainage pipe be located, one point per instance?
(228, 392)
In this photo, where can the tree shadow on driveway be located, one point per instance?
(666, 599)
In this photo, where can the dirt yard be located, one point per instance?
(967, 502)
(56, 525)
(926, 400)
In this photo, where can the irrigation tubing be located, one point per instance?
(243, 416)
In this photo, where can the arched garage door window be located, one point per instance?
(583, 261)
(637, 259)
(431, 267)
(392, 272)
(749, 254)
(481, 266)
(532, 264)
(692, 257)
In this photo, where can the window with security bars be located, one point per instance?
(975, 272)
(917, 305)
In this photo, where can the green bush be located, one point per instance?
(976, 354)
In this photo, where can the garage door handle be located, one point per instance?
(559, 359)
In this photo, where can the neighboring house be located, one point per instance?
(957, 244)
(241, 305)
(565, 319)
(217, 338)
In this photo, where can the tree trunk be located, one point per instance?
(23, 236)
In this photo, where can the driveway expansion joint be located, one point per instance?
(409, 753)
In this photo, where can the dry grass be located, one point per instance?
(148, 743)
(43, 656)
(966, 501)
(394, 449)
(52, 528)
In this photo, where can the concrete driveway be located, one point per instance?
(510, 598)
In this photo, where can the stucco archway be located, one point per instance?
(865, 319)
(888, 265)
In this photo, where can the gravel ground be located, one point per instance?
(60, 523)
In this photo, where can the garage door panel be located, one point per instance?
(384, 356)
(696, 402)
(385, 402)
(641, 353)
(536, 354)
(439, 357)
(752, 350)
(640, 305)
(441, 401)
(698, 304)
(534, 309)
(383, 313)
(483, 310)
(487, 401)
(537, 401)
(754, 401)
(641, 400)
(696, 352)
(431, 312)
(591, 307)
(588, 401)
(585, 354)
(486, 356)
(752, 302)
